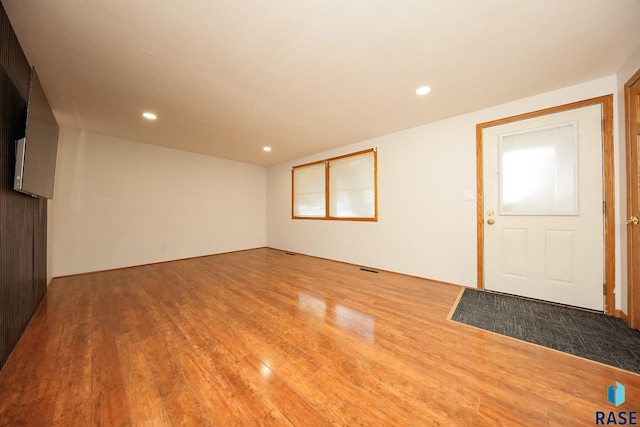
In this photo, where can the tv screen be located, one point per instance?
(36, 152)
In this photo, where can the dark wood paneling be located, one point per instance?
(23, 219)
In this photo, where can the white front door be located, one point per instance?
(543, 208)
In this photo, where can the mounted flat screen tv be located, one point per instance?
(36, 152)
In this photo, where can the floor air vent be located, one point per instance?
(368, 270)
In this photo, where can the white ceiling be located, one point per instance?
(227, 77)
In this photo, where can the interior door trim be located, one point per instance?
(608, 185)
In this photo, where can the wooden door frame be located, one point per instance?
(632, 287)
(608, 186)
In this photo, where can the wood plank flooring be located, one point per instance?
(265, 338)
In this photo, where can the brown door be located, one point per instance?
(632, 97)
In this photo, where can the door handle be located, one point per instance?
(491, 221)
(633, 220)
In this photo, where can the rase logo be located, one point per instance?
(615, 396)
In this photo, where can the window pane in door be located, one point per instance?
(539, 171)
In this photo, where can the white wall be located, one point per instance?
(624, 74)
(425, 228)
(120, 203)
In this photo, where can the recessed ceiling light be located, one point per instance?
(266, 148)
(148, 115)
(423, 90)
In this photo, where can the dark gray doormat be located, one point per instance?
(594, 336)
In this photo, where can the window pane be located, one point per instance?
(352, 186)
(538, 171)
(309, 191)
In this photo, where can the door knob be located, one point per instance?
(491, 221)
(633, 220)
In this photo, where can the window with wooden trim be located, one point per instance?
(340, 188)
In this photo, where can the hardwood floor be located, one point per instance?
(264, 338)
